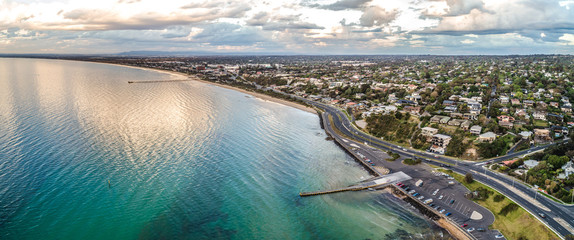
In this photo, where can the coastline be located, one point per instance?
(260, 96)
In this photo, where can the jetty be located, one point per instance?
(161, 81)
(372, 183)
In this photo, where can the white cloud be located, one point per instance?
(567, 39)
(467, 41)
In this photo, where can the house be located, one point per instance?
(439, 143)
(450, 108)
(455, 122)
(444, 120)
(568, 169)
(470, 116)
(541, 105)
(542, 135)
(520, 113)
(487, 137)
(539, 115)
(529, 103)
(436, 118)
(465, 125)
(404, 102)
(566, 109)
(509, 162)
(515, 101)
(448, 103)
(525, 134)
(505, 118)
(474, 107)
(412, 110)
(529, 164)
(506, 124)
(476, 129)
(504, 100)
(428, 131)
(554, 104)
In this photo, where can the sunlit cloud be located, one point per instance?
(310, 26)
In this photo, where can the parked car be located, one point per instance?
(451, 201)
(499, 236)
(448, 214)
(421, 197)
(435, 192)
(441, 211)
(470, 229)
(542, 215)
(440, 198)
(464, 225)
(481, 229)
(416, 194)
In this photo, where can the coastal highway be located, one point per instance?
(559, 218)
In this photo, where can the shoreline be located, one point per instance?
(260, 96)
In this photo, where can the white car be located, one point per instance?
(435, 192)
(441, 211)
(440, 197)
(470, 229)
(421, 197)
(499, 236)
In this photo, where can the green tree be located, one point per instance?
(468, 178)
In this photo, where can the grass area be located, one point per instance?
(540, 123)
(515, 224)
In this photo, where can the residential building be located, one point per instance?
(476, 129)
(542, 135)
(487, 137)
(529, 164)
(439, 143)
(428, 131)
(539, 115)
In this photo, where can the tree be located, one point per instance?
(468, 178)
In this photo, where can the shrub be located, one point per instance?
(410, 161)
(498, 198)
(511, 207)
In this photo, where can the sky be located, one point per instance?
(288, 27)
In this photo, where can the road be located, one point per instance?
(560, 218)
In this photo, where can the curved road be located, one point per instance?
(559, 218)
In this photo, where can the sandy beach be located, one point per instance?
(261, 96)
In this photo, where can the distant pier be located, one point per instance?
(161, 81)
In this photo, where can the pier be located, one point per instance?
(373, 183)
(161, 81)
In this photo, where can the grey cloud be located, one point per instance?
(280, 26)
(462, 7)
(377, 16)
(508, 17)
(94, 19)
(229, 34)
(280, 22)
(343, 5)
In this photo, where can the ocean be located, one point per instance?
(85, 155)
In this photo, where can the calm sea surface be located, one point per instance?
(85, 155)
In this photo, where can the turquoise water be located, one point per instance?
(85, 155)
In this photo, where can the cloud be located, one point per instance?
(343, 5)
(377, 16)
(506, 17)
(462, 7)
(278, 22)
